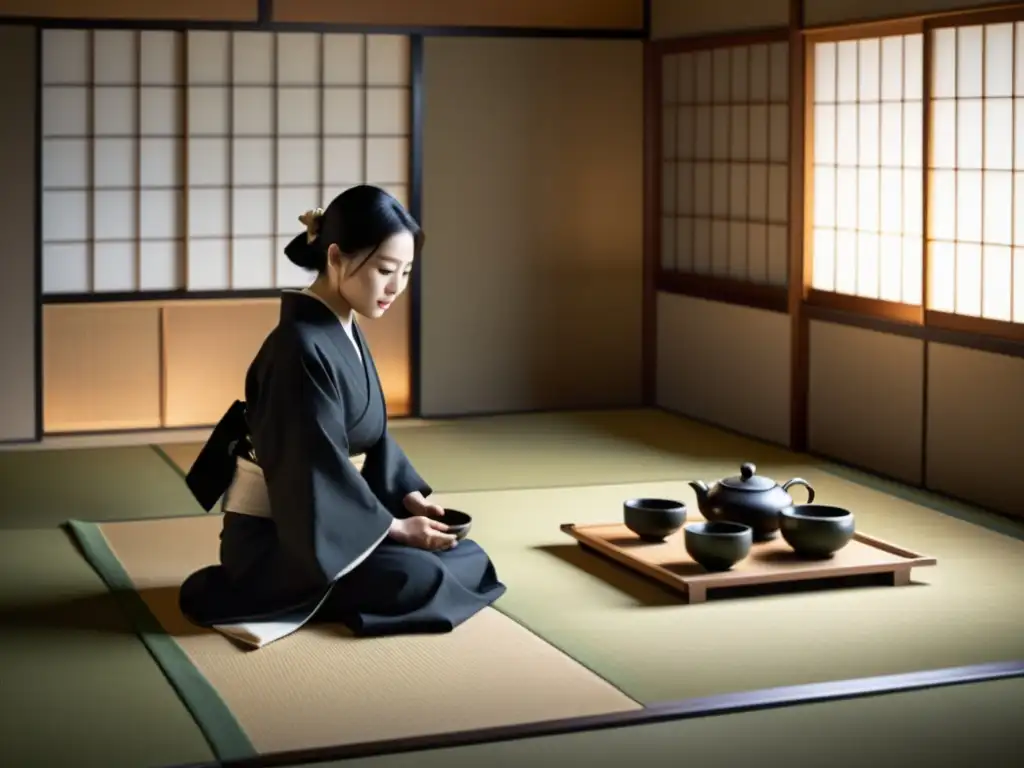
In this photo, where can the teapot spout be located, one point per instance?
(701, 489)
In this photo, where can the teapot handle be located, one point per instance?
(800, 481)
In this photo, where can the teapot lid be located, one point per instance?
(748, 481)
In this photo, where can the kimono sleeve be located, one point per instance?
(327, 517)
(391, 475)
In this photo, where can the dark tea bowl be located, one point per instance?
(816, 530)
(458, 522)
(653, 519)
(718, 546)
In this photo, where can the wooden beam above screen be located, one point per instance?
(151, 10)
(539, 14)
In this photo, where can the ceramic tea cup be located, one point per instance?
(653, 519)
(718, 546)
(458, 522)
(816, 530)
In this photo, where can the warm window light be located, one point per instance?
(868, 164)
(868, 159)
(976, 238)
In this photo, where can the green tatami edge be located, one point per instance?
(169, 461)
(219, 726)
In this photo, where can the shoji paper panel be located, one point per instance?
(976, 238)
(161, 203)
(113, 218)
(725, 162)
(867, 211)
(301, 99)
(114, 126)
(210, 156)
(67, 161)
(212, 142)
(252, 78)
(279, 124)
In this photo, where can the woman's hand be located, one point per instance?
(415, 504)
(422, 532)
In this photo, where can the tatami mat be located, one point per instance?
(43, 488)
(968, 609)
(77, 687)
(968, 725)
(181, 455)
(321, 686)
(68, 657)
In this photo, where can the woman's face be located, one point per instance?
(371, 285)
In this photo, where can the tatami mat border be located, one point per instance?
(219, 726)
(233, 749)
(772, 698)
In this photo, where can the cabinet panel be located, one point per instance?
(207, 349)
(388, 339)
(101, 367)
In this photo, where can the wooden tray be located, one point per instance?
(768, 562)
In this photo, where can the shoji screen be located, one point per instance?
(725, 163)
(868, 159)
(977, 172)
(182, 160)
(175, 166)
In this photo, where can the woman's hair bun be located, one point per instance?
(304, 254)
(304, 250)
(311, 220)
(356, 221)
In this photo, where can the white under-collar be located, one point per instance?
(346, 324)
(309, 292)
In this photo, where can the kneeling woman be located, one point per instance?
(305, 534)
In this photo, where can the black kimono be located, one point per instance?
(322, 551)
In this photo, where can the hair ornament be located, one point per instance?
(311, 219)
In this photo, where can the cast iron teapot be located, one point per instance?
(749, 499)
